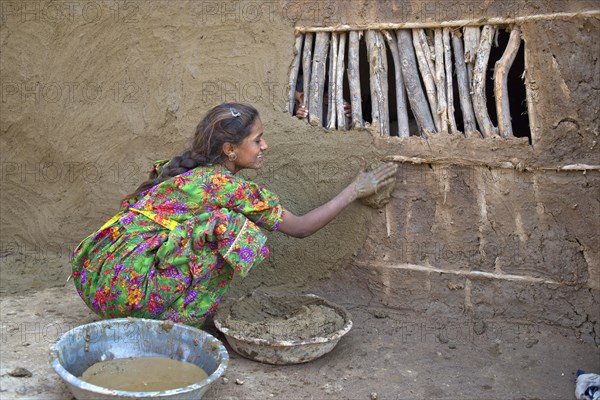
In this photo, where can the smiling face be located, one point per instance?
(250, 152)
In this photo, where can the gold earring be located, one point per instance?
(232, 156)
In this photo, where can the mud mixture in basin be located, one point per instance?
(278, 318)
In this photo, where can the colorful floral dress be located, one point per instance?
(172, 251)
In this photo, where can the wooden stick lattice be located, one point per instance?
(422, 60)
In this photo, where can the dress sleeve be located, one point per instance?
(260, 205)
(243, 245)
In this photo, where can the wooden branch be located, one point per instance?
(500, 82)
(294, 73)
(317, 79)
(401, 105)
(339, 82)
(378, 82)
(512, 164)
(572, 167)
(410, 73)
(479, 74)
(440, 78)
(462, 78)
(331, 102)
(427, 48)
(531, 97)
(472, 36)
(354, 80)
(449, 84)
(306, 61)
(427, 75)
(452, 24)
(371, 51)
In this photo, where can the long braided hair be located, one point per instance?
(225, 123)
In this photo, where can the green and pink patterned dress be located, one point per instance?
(172, 251)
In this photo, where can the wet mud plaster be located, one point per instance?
(381, 198)
(281, 318)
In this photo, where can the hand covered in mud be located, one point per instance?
(368, 183)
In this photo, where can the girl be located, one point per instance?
(172, 250)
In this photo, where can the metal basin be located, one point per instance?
(282, 352)
(81, 347)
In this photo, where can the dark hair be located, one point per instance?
(225, 123)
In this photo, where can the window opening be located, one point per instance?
(463, 80)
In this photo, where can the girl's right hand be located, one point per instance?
(368, 183)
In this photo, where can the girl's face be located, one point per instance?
(251, 151)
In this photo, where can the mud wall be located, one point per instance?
(94, 91)
(494, 228)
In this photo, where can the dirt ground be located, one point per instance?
(388, 354)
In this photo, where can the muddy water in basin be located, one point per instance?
(143, 374)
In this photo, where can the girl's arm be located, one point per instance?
(365, 184)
